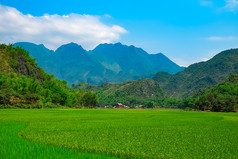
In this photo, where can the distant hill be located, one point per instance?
(107, 62)
(199, 75)
(129, 93)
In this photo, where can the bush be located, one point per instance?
(150, 104)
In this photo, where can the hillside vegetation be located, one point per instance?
(147, 92)
(130, 93)
(221, 97)
(25, 85)
(190, 88)
(199, 75)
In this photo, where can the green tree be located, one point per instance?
(150, 104)
(89, 99)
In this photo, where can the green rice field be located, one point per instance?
(117, 133)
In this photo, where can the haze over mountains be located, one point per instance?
(107, 62)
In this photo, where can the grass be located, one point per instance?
(13, 147)
(121, 133)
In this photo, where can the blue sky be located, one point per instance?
(186, 31)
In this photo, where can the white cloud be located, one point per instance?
(231, 5)
(219, 38)
(107, 16)
(55, 30)
(206, 3)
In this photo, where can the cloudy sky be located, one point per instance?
(186, 31)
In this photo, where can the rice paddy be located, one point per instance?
(117, 133)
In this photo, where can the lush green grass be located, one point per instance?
(127, 133)
(13, 147)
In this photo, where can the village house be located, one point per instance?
(119, 105)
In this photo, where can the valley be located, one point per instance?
(119, 79)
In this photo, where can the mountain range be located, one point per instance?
(119, 63)
(107, 62)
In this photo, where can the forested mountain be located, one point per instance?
(107, 62)
(25, 85)
(131, 93)
(221, 97)
(199, 75)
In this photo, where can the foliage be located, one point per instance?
(171, 103)
(199, 75)
(126, 133)
(24, 85)
(147, 92)
(222, 97)
(150, 104)
(87, 99)
(130, 93)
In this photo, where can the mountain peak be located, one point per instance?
(71, 47)
(71, 44)
(118, 43)
(109, 44)
(159, 55)
(41, 45)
